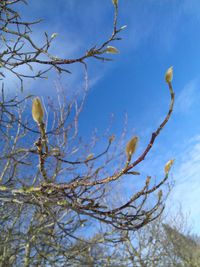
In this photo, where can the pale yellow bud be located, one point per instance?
(160, 194)
(37, 110)
(168, 165)
(123, 27)
(169, 75)
(112, 50)
(89, 157)
(55, 151)
(131, 147)
(148, 180)
(112, 138)
(54, 35)
(115, 2)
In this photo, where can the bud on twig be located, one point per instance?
(131, 147)
(37, 110)
(111, 50)
(112, 138)
(123, 27)
(169, 75)
(55, 151)
(148, 179)
(89, 157)
(115, 2)
(160, 194)
(168, 166)
(54, 35)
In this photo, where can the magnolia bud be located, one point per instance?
(55, 151)
(37, 110)
(115, 2)
(168, 166)
(160, 194)
(112, 138)
(123, 27)
(111, 50)
(148, 180)
(169, 75)
(89, 157)
(131, 147)
(54, 35)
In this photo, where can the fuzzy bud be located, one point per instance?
(55, 151)
(131, 147)
(115, 2)
(37, 110)
(160, 194)
(169, 75)
(168, 165)
(111, 50)
(89, 157)
(148, 179)
(112, 138)
(54, 35)
(123, 27)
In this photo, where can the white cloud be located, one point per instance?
(187, 97)
(75, 34)
(187, 183)
(147, 24)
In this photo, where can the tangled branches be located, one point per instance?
(84, 188)
(52, 184)
(19, 49)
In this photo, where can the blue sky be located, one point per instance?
(159, 34)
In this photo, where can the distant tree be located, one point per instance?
(156, 244)
(52, 185)
(185, 247)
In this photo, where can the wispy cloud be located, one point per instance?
(187, 182)
(76, 34)
(188, 97)
(159, 26)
